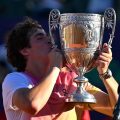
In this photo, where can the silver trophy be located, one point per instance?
(81, 37)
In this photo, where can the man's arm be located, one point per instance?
(106, 102)
(34, 99)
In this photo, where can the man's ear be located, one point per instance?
(24, 51)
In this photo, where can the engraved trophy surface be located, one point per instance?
(81, 42)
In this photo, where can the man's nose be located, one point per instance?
(49, 40)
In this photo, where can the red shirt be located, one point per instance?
(56, 107)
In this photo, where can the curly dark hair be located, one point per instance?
(18, 39)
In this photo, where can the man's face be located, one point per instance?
(40, 46)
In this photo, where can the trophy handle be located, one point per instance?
(110, 22)
(54, 17)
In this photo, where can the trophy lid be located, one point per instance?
(81, 17)
(82, 14)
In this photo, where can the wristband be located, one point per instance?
(106, 75)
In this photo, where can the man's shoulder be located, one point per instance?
(14, 77)
(91, 88)
(14, 74)
(65, 69)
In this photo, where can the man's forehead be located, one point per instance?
(39, 31)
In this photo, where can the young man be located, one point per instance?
(36, 91)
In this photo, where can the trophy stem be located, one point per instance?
(80, 95)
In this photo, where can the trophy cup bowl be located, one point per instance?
(81, 37)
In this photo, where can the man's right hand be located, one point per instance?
(55, 58)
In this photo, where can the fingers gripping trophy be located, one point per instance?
(81, 37)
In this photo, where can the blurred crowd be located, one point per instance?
(35, 7)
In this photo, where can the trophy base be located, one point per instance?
(84, 97)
